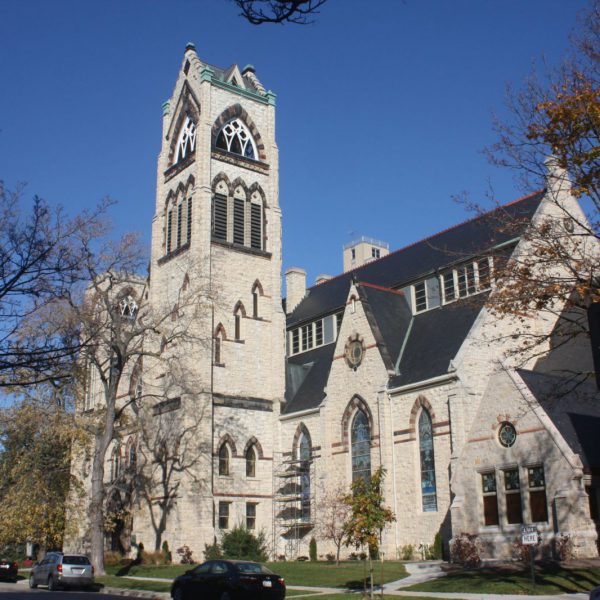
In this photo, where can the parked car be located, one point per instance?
(229, 580)
(595, 594)
(62, 570)
(8, 569)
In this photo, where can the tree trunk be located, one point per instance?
(371, 574)
(337, 557)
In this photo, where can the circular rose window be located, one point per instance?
(354, 353)
(507, 434)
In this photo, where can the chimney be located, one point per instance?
(295, 285)
(322, 278)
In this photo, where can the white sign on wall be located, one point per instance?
(529, 535)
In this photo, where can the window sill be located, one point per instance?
(240, 161)
(240, 248)
(167, 257)
(178, 167)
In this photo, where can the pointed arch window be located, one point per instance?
(237, 316)
(304, 458)
(128, 307)
(251, 462)
(186, 144)
(178, 229)
(428, 486)
(223, 460)
(115, 463)
(235, 137)
(361, 447)
(132, 455)
(256, 221)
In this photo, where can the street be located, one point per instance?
(21, 591)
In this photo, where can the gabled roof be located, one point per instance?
(306, 377)
(434, 339)
(574, 412)
(389, 316)
(439, 251)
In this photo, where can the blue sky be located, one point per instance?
(383, 106)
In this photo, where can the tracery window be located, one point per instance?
(223, 460)
(251, 462)
(128, 307)
(186, 144)
(234, 137)
(428, 486)
(304, 456)
(361, 447)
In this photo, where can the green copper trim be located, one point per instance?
(206, 74)
(166, 108)
(271, 97)
(240, 92)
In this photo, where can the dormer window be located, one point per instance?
(186, 144)
(467, 279)
(234, 137)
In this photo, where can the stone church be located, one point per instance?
(395, 362)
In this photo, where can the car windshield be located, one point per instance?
(253, 568)
(76, 560)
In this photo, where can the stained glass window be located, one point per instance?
(361, 447)
(304, 456)
(428, 488)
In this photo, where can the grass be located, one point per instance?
(550, 579)
(347, 574)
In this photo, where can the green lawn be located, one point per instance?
(550, 579)
(346, 575)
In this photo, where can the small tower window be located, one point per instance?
(250, 462)
(234, 137)
(186, 144)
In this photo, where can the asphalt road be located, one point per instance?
(21, 591)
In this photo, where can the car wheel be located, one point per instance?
(32, 583)
(225, 596)
(177, 594)
(52, 584)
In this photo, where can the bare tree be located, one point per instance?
(258, 12)
(332, 514)
(118, 328)
(39, 262)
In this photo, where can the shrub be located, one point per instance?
(362, 556)
(111, 559)
(312, 549)
(407, 552)
(437, 550)
(282, 557)
(186, 555)
(168, 557)
(353, 556)
(465, 550)
(213, 551)
(242, 544)
(155, 557)
(140, 553)
(330, 557)
(563, 546)
(302, 558)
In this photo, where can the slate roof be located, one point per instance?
(306, 376)
(434, 340)
(412, 262)
(574, 412)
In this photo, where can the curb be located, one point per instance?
(135, 593)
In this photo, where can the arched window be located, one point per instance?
(428, 488)
(361, 446)
(257, 291)
(256, 221)
(223, 460)
(128, 307)
(234, 137)
(251, 462)
(186, 144)
(217, 342)
(115, 463)
(304, 458)
(178, 230)
(132, 458)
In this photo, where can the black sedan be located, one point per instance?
(8, 569)
(229, 580)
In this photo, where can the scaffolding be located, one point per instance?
(294, 503)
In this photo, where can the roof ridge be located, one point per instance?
(381, 288)
(429, 237)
